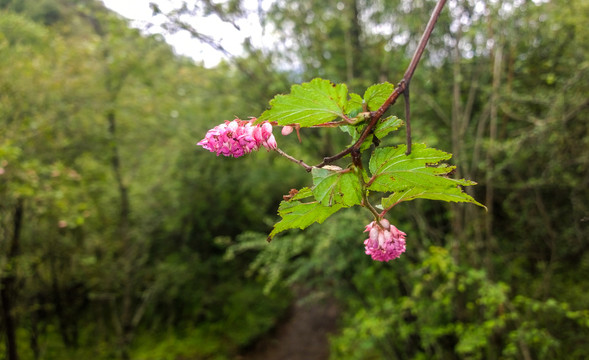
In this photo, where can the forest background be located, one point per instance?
(119, 238)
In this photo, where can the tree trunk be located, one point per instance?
(457, 211)
(489, 158)
(353, 43)
(8, 283)
(129, 253)
(34, 333)
(59, 308)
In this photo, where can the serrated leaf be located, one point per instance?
(392, 170)
(449, 194)
(335, 187)
(377, 94)
(354, 105)
(351, 130)
(384, 127)
(313, 103)
(303, 193)
(296, 214)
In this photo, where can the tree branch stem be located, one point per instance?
(401, 87)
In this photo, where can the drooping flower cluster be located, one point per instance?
(238, 137)
(385, 242)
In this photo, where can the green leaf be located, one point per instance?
(297, 214)
(353, 131)
(303, 193)
(415, 176)
(308, 104)
(354, 106)
(392, 170)
(449, 194)
(377, 94)
(384, 127)
(336, 187)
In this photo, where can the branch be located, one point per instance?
(401, 87)
(424, 39)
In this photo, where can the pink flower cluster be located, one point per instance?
(385, 242)
(238, 137)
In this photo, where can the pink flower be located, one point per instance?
(238, 137)
(385, 242)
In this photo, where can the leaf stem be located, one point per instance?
(365, 202)
(357, 160)
(329, 124)
(368, 205)
(407, 119)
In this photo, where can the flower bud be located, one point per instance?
(270, 143)
(266, 129)
(233, 126)
(385, 223)
(373, 234)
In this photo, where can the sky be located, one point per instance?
(140, 14)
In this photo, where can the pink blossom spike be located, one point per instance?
(238, 137)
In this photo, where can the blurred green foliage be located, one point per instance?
(120, 238)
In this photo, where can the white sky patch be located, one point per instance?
(140, 14)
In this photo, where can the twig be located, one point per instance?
(296, 161)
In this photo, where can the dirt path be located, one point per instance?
(302, 336)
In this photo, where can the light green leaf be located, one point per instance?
(392, 170)
(308, 104)
(303, 193)
(336, 187)
(382, 129)
(377, 94)
(354, 105)
(449, 194)
(297, 214)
